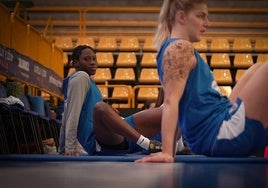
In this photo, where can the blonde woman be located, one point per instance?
(210, 123)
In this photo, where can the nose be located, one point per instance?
(207, 22)
(95, 62)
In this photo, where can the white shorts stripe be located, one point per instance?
(234, 126)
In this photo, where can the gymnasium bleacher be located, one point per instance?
(44, 37)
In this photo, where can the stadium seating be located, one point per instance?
(243, 60)
(261, 44)
(129, 44)
(105, 59)
(148, 44)
(64, 42)
(223, 76)
(239, 74)
(126, 59)
(85, 40)
(102, 75)
(201, 46)
(262, 58)
(220, 60)
(148, 59)
(149, 76)
(125, 74)
(219, 45)
(242, 44)
(107, 43)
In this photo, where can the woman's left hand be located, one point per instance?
(157, 157)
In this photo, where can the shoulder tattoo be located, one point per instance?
(178, 60)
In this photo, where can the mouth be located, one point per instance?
(203, 31)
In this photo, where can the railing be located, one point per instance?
(17, 34)
(94, 27)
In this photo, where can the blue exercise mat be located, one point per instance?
(131, 158)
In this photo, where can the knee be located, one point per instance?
(256, 66)
(100, 108)
(263, 67)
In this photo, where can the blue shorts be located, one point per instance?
(239, 136)
(133, 147)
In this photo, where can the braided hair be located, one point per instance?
(77, 52)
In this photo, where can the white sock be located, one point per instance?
(143, 142)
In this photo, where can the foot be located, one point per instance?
(155, 146)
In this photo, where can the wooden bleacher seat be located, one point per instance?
(223, 76)
(129, 44)
(148, 59)
(239, 74)
(121, 105)
(126, 59)
(201, 46)
(149, 75)
(64, 42)
(123, 95)
(104, 91)
(204, 57)
(226, 90)
(85, 40)
(124, 74)
(105, 59)
(220, 60)
(145, 92)
(242, 44)
(243, 60)
(140, 105)
(261, 44)
(107, 44)
(219, 45)
(148, 45)
(102, 75)
(262, 58)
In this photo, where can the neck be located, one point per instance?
(179, 32)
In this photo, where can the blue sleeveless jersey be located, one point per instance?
(202, 107)
(85, 132)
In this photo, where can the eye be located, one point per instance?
(202, 16)
(87, 59)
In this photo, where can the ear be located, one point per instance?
(75, 64)
(180, 17)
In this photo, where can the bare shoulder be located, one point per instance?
(179, 59)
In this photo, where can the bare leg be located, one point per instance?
(242, 82)
(148, 122)
(111, 129)
(253, 90)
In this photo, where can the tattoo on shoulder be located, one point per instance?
(178, 60)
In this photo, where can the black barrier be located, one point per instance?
(24, 68)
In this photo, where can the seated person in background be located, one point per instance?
(77, 135)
